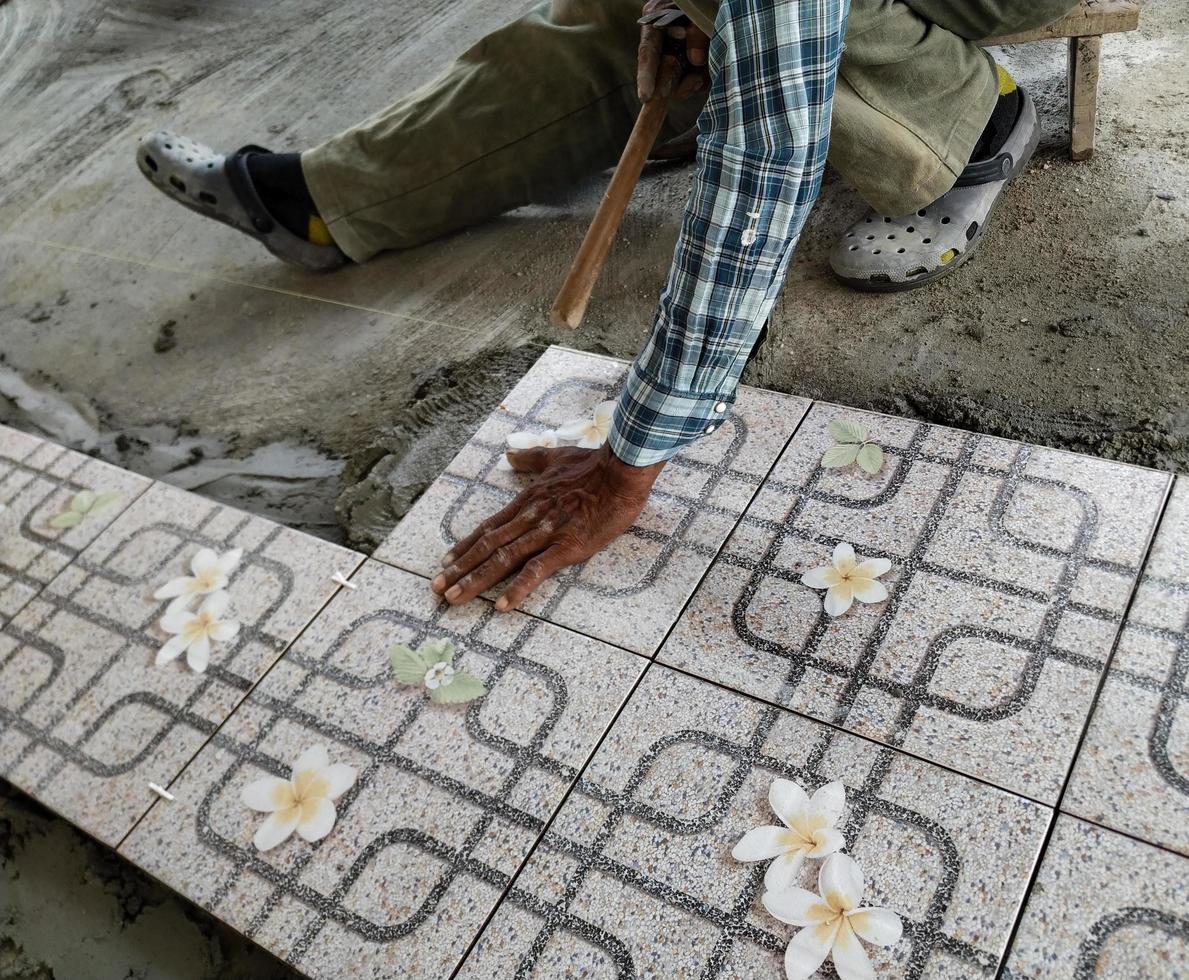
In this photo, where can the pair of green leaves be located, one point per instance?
(412, 667)
(852, 446)
(83, 505)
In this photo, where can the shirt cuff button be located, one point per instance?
(710, 428)
(720, 407)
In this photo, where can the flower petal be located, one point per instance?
(203, 559)
(277, 828)
(873, 568)
(880, 927)
(821, 578)
(180, 605)
(268, 794)
(783, 870)
(171, 651)
(787, 799)
(603, 412)
(829, 802)
(591, 440)
(229, 559)
(797, 907)
(572, 431)
(760, 844)
(340, 778)
(841, 882)
(826, 842)
(317, 819)
(850, 958)
(839, 598)
(524, 440)
(198, 654)
(177, 617)
(869, 591)
(174, 587)
(844, 556)
(224, 631)
(215, 604)
(315, 757)
(808, 950)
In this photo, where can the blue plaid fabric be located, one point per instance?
(761, 152)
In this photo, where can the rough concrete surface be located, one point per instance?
(170, 345)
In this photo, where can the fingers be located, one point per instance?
(648, 61)
(500, 565)
(529, 519)
(529, 460)
(697, 46)
(535, 571)
(691, 82)
(496, 520)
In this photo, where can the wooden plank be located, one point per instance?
(1092, 17)
(1084, 55)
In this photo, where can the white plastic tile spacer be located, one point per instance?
(751, 232)
(341, 579)
(162, 792)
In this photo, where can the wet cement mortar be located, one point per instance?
(1069, 327)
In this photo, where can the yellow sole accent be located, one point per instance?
(318, 233)
(1007, 84)
(948, 257)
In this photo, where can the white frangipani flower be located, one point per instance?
(532, 440)
(808, 831)
(589, 433)
(439, 675)
(304, 802)
(211, 573)
(833, 923)
(194, 631)
(848, 579)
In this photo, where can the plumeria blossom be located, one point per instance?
(304, 802)
(532, 440)
(589, 433)
(833, 923)
(848, 579)
(195, 631)
(808, 831)
(211, 572)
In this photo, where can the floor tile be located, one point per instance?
(1011, 568)
(38, 481)
(1133, 770)
(86, 719)
(1104, 907)
(631, 593)
(635, 877)
(447, 801)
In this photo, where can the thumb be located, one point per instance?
(533, 460)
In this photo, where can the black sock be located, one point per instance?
(281, 184)
(1002, 121)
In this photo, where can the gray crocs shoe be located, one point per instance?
(218, 186)
(881, 254)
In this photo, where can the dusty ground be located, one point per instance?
(140, 332)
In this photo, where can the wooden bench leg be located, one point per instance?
(1084, 54)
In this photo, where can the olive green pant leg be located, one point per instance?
(524, 114)
(915, 92)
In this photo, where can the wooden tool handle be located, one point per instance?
(570, 306)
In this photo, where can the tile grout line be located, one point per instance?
(1043, 851)
(1098, 825)
(234, 711)
(650, 662)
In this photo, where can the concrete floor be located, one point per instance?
(173, 346)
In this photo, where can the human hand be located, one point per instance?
(581, 500)
(697, 44)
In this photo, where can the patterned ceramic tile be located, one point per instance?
(448, 798)
(1133, 771)
(1104, 907)
(635, 877)
(38, 481)
(631, 593)
(86, 719)
(1011, 567)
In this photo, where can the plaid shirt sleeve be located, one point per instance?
(761, 153)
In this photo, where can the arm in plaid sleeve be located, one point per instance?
(765, 131)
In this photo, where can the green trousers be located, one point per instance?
(550, 99)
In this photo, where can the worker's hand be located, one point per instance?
(697, 45)
(581, 500)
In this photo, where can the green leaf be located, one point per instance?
(83, 501)
(837, 456)
(437, 651)
(67, 518)
(409, 666)
(463, 686)
(870, 458)
(844, 430)
(103, 501)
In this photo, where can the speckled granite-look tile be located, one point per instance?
(86, 719)
(448, 800)
(1133, 770)
(635, 877)
(1104, 907)
(631, 593)
(38, 480)
(1011, 567)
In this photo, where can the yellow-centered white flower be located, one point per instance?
(592, 432)
(532, 440)
(211, 573)
(833, 923)
(304, 802)
(195, 631)
(848, 579)
(808, 831)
